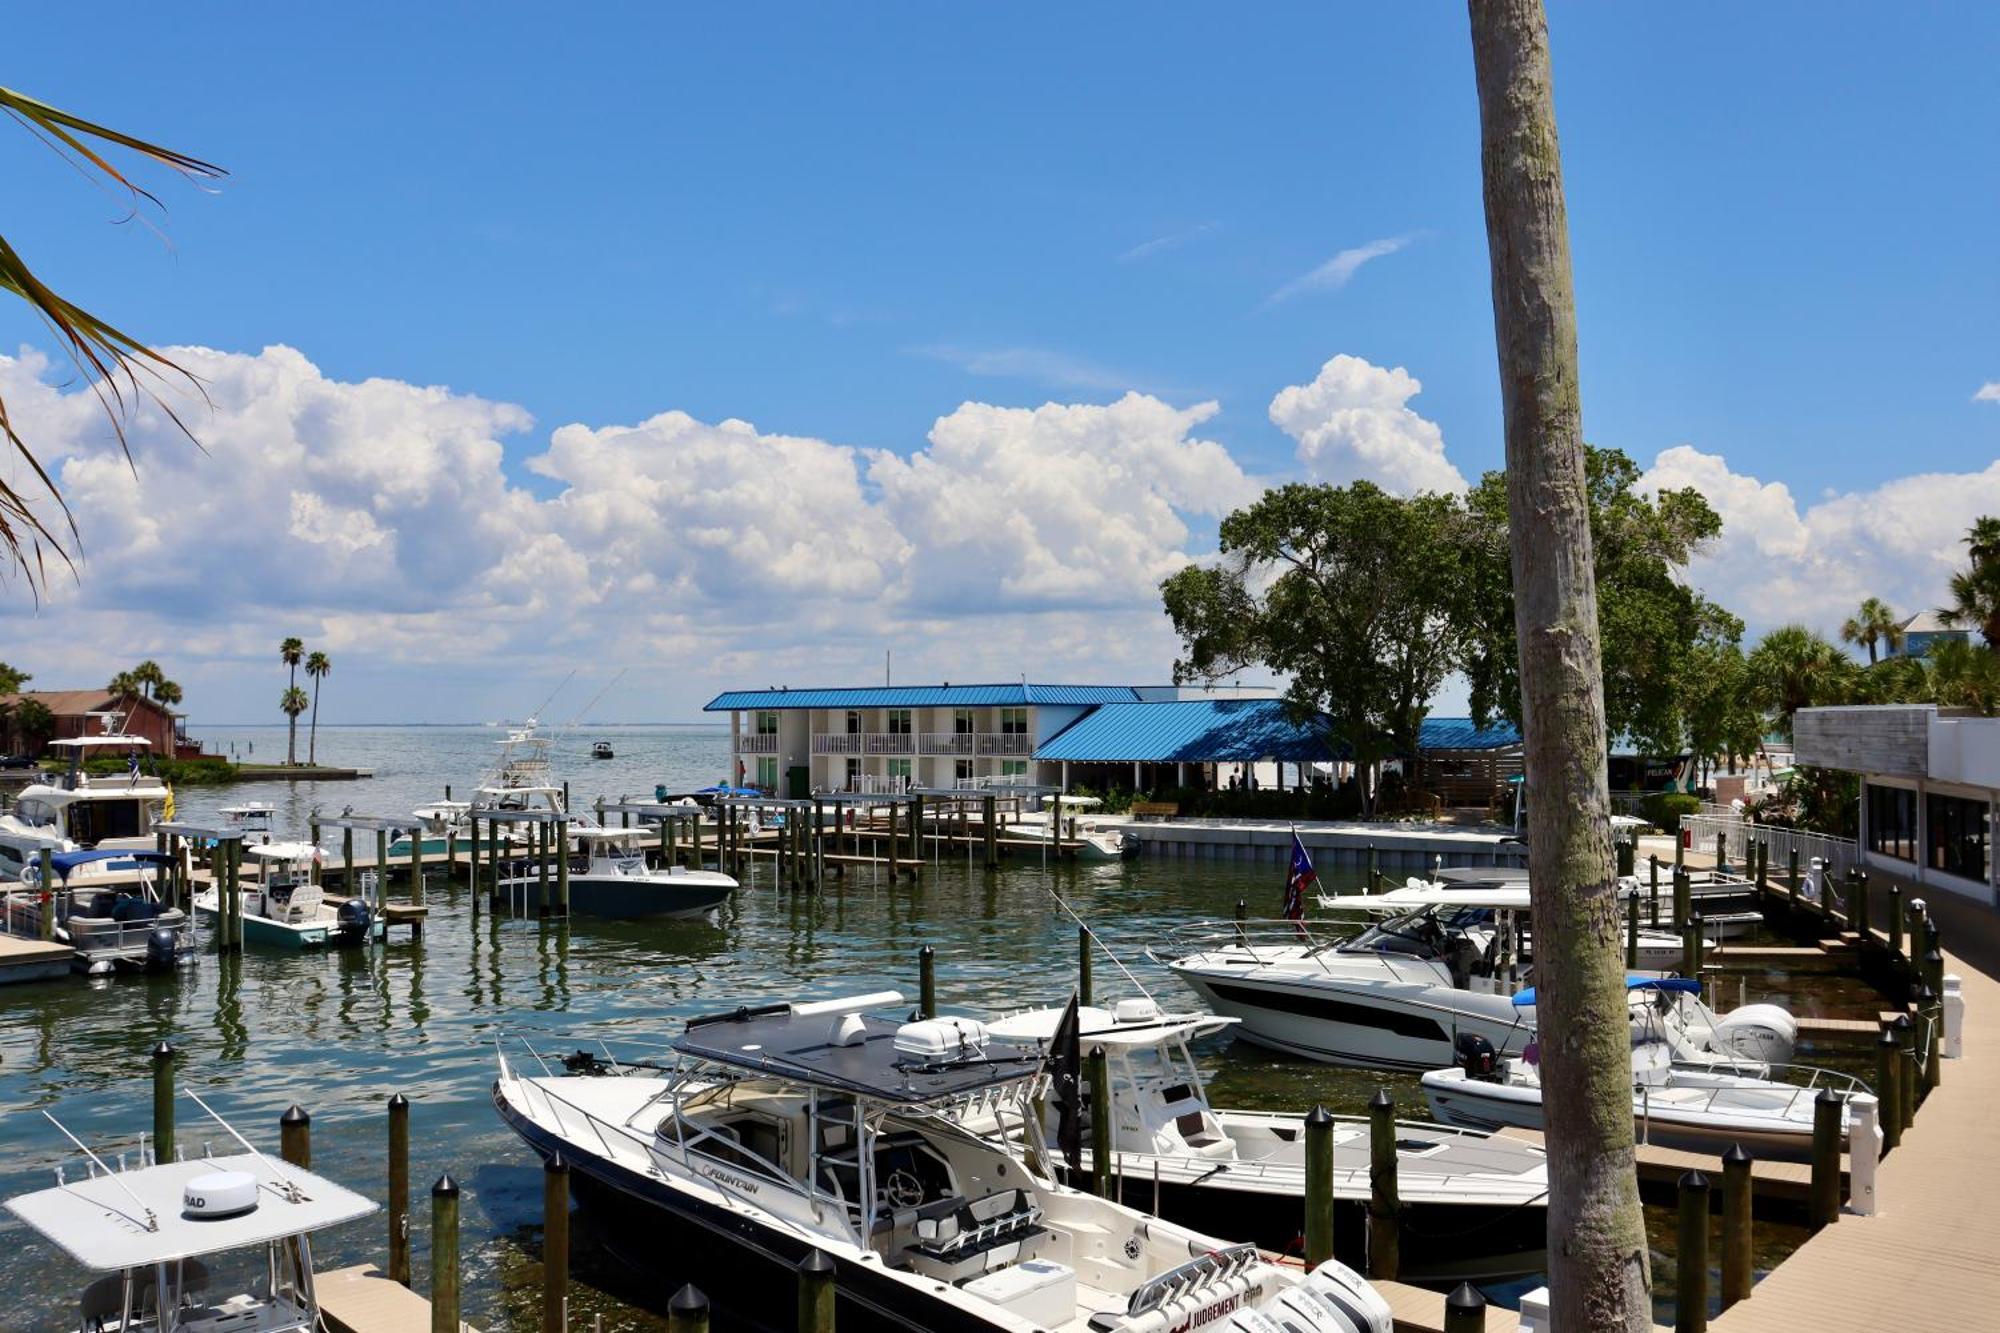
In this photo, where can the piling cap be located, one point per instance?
(1902, 1023)
(1827, 1095)
(688, 1300)
(399, 1102)
(817, 1263)
(1737, 1155)
(446, 1187)
(164, 1051)
(1318, 1117)
(1693, 1180)
(1465, 1296)
(1381, 1101)
(556, 1165)
(1887, 1038)
(295, 1115)
(927, 952)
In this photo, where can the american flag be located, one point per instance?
(1298, 879)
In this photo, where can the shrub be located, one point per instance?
(1665, 809)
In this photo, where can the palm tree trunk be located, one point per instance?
(292, 719)
(1598, 1265)
(312, 737)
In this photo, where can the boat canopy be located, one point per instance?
(282, 851)
(1103, 1027)
(101, 742)
(1678, 985)
(836, 1047)
(723, 789)
(64, 862)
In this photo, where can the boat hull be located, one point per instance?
(1479, 1105)
(627, 898)
(299, 935)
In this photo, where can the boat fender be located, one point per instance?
(219, 1194)
(1477, 1057)
(163, 947)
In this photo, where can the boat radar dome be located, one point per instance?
(219, 1194)
(936, 1040)
(1137, 1009)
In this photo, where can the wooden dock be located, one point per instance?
(363, 1299)
(32, 960)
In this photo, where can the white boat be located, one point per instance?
(1401, 993)
(1706, 1107)
(253, 819)
(795, 1128)
(1658, 949)
(284, 907)
(113, 917)
(78, 811)
(601, 750)
(1065, 817)
(436, 823)
(610, 878)
(156, 1231)
(1475, 1205)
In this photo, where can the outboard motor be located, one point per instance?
(1477, 1057)
(356, 917)
(163, 949)
(1763, 1033)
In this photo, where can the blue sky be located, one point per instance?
(843, 222)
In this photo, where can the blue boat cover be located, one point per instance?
(65, 862)
(1682, 985)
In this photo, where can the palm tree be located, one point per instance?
(317, 666)
(290, 652)
(149, 675)
(1975, 592)
(167, 692)
(293, 702)
(1873, 623)
(1794, 667)
(1963, 676)
(106, 357)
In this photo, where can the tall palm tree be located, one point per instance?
(1874, 623)
(317, 667)
(110, 360)
(149, 675)
(1975, 592)
(291, 652)
(167, 692)
(1963, 676)
(1793, 667)
(293, 702)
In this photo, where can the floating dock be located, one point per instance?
(364, 1299)
(32, 960)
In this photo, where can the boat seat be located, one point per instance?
(960, 1238)
(103, 1300)
(304, 904)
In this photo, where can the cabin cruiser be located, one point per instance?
(1066, 821)
(113, 918)
(284, 906)
(1698, 1107)
(1476, 1204)
(791, 1128)
(1658, 949)
(149, 1229)
(78, 811)
(1401, 993)
(609, 877)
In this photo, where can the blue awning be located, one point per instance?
(64, 862)
(1679, 985)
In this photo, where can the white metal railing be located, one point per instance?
(757, 743)
(837, 742)
(945, 742)
(888, 742)
(1013, 744)
(1739, 835)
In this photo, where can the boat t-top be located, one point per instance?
(283, 904)
(149, 1230)
(436, 823)
(790, 1128)
(253, 819)
(113, 917)
(1476, 1204)
(78, 811)
(1658, 949)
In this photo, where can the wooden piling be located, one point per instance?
(399, 1189)
(1632, 933)
(1384, 1197)
(1906, 1068)
(816, 1293)
(295, 1137)
(164, 1147)
(349, 881)
(1083, 964)
(444, 1256)
(1464, 1310)
(1895, 921)
(47, 893)
(927, 982)
(1738, 1243)
(312, 837)
(687, 1312)
(1721, 853)
(1319, 1187)
(555, 1245)
(562, 867)
(989, 813)
(1102, 1122)
(450, 856)
(1691, 1257)
(895, 841)
(417, 865)
(1683, 896)
(542, 831)
(1653, 873)
(1888, 1087)
(1824, 1200)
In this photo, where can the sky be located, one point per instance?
(737, 346)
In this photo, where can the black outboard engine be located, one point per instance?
(353, 925)
(163, 949)
(1477, 1058)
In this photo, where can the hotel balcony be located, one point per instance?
(962, 744)
(752, 743)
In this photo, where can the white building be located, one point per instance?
(1930, 782)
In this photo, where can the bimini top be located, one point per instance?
(1678, 985)
(1134, 1023)
(103, 1227)
(833, 1045)
(64, 862)
(101, 742)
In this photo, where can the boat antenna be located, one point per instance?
(560, 687)
(152, 1221)
(577, 716)
(1116, 961)
(292, 1194)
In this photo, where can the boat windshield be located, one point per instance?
(1423, 934)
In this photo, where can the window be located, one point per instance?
(853, 773)
(767, 773)
(1013, 768)
(1013, 721)
(900, 768)
(963, 770)
(961, 721)
(899, 721)
(767, 724)
(1892, 822)
(854, 721)
(1959, 834)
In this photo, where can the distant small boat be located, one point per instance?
(601, 750)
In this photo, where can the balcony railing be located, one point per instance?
(958, 744)
(946, 742)
(753, 743)
(1014, 744)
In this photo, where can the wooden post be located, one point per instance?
(1721, 852)
(1374, 870)
(694, 841)
(1763, 868)
(1681, 839)
(1895, 922)
(1930, 1012)
(399, 1189)
(927, 982)
(1653, 872)
(916, 834)
(1083, 962)
(687, 1312)
(989, 812)
(1888, 1087)
(1700, 945)
(1627, 852)
(667, 849)
(1319, 1187)
(816, 1293)
(1683, 895)
(347, 876)
(1737, 1241)
(1690, 949)
(542, 840)
(295, 1129)
(1632, 933)
(473, 876)
(1906, 1068)
(417, 864)
(381, 869)
(231, 896)
(1102, 1121)
(894, 836)
(164, 1147)
(450, 856)
(1384, 1198)
(1465, 1310)
(1691, 1259)
(1857, 905)
(312, 836)
(562, 867)
(555, 1245)
(1824, 1200)
(1242, 916)
(444, 1256)
(48, 893)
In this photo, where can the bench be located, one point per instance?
(1155, 809)
(959, 1238)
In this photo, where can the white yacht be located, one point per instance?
(283, 905)
(1068, 820)
(1658, 949)
(113, 917)
(1700, 1107)
(78, 811)
(791, 1128)
(1476, 1205)
(148, 1230)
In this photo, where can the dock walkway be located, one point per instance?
(32, 960)
(363, 1299)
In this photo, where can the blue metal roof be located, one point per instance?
(1186, 731)
(922, 696)
(1458, 733)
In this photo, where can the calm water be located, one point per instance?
(339, 1033)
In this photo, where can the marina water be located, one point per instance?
(340, 1032)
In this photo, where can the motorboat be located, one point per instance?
(283, 905)
(157, 1232)
(79, 811)
(436, 825)
(786, 1129)
(602, 750)
(1401, 993)
(610, 878)
(1658, 949)
(113, 918)
(1699, 1107)
(1476, 1204)
(253, 819)
(1068, 821)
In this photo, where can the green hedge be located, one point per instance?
(1664, 809)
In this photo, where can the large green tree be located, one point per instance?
(1975, 591)
(1794, 667)
(1654, 629)
(1874, 625)
(1354, 595)
(12, 679)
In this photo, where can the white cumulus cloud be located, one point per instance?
(1353, 422)
(1989, 392)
